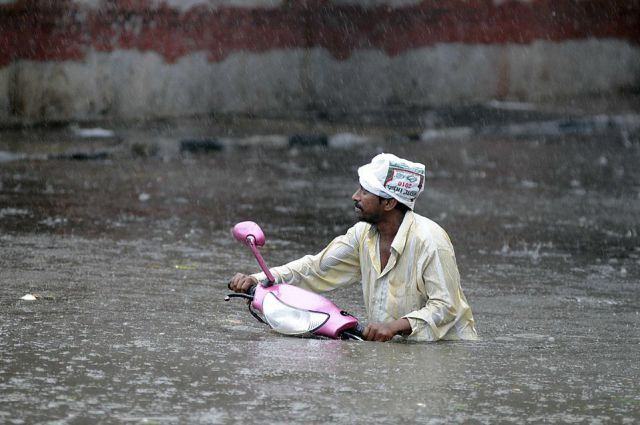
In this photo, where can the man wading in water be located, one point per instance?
(406, 263)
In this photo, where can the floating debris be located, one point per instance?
(347, 140)
(446, 133)
(4, 212)
(29, 297)
(308, 140)
(200, 145)
(53, 221)
(6, 156)
(82, 156)
(511, 106)
(93, 133)
(276, 141)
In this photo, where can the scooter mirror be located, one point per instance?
(243, 230)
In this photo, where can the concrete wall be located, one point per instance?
(91, 59)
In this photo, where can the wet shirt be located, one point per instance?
(420, 281)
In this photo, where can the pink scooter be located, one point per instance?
(288, 309)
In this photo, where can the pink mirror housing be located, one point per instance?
(243, 230)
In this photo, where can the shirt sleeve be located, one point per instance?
(335, 266)
(444, 305)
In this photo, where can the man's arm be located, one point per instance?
(445, 304)
(335, 266)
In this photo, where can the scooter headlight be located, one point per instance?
(290, 320)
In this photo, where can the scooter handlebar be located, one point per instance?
(251, 291)
(354, 333)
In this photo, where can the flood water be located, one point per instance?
(130, 257)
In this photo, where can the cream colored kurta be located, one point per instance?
(420, 281)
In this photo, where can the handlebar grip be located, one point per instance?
(250, 291)
(354, 333)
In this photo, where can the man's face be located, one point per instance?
(367, 206)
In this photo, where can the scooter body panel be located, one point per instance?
(294, 296)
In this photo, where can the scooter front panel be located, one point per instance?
(307, 300)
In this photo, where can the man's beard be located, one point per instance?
(367, 218)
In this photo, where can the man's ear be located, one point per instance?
(390, 204)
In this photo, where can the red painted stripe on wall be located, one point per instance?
(64, 30)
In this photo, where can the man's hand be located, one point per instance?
(385, 331)
(242, 282)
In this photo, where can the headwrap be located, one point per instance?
(388, 176)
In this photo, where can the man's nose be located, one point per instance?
(356, 195)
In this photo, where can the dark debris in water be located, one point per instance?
(199, 146)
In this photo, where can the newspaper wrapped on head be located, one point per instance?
(388, 176)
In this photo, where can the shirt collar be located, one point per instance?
(399, 241)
